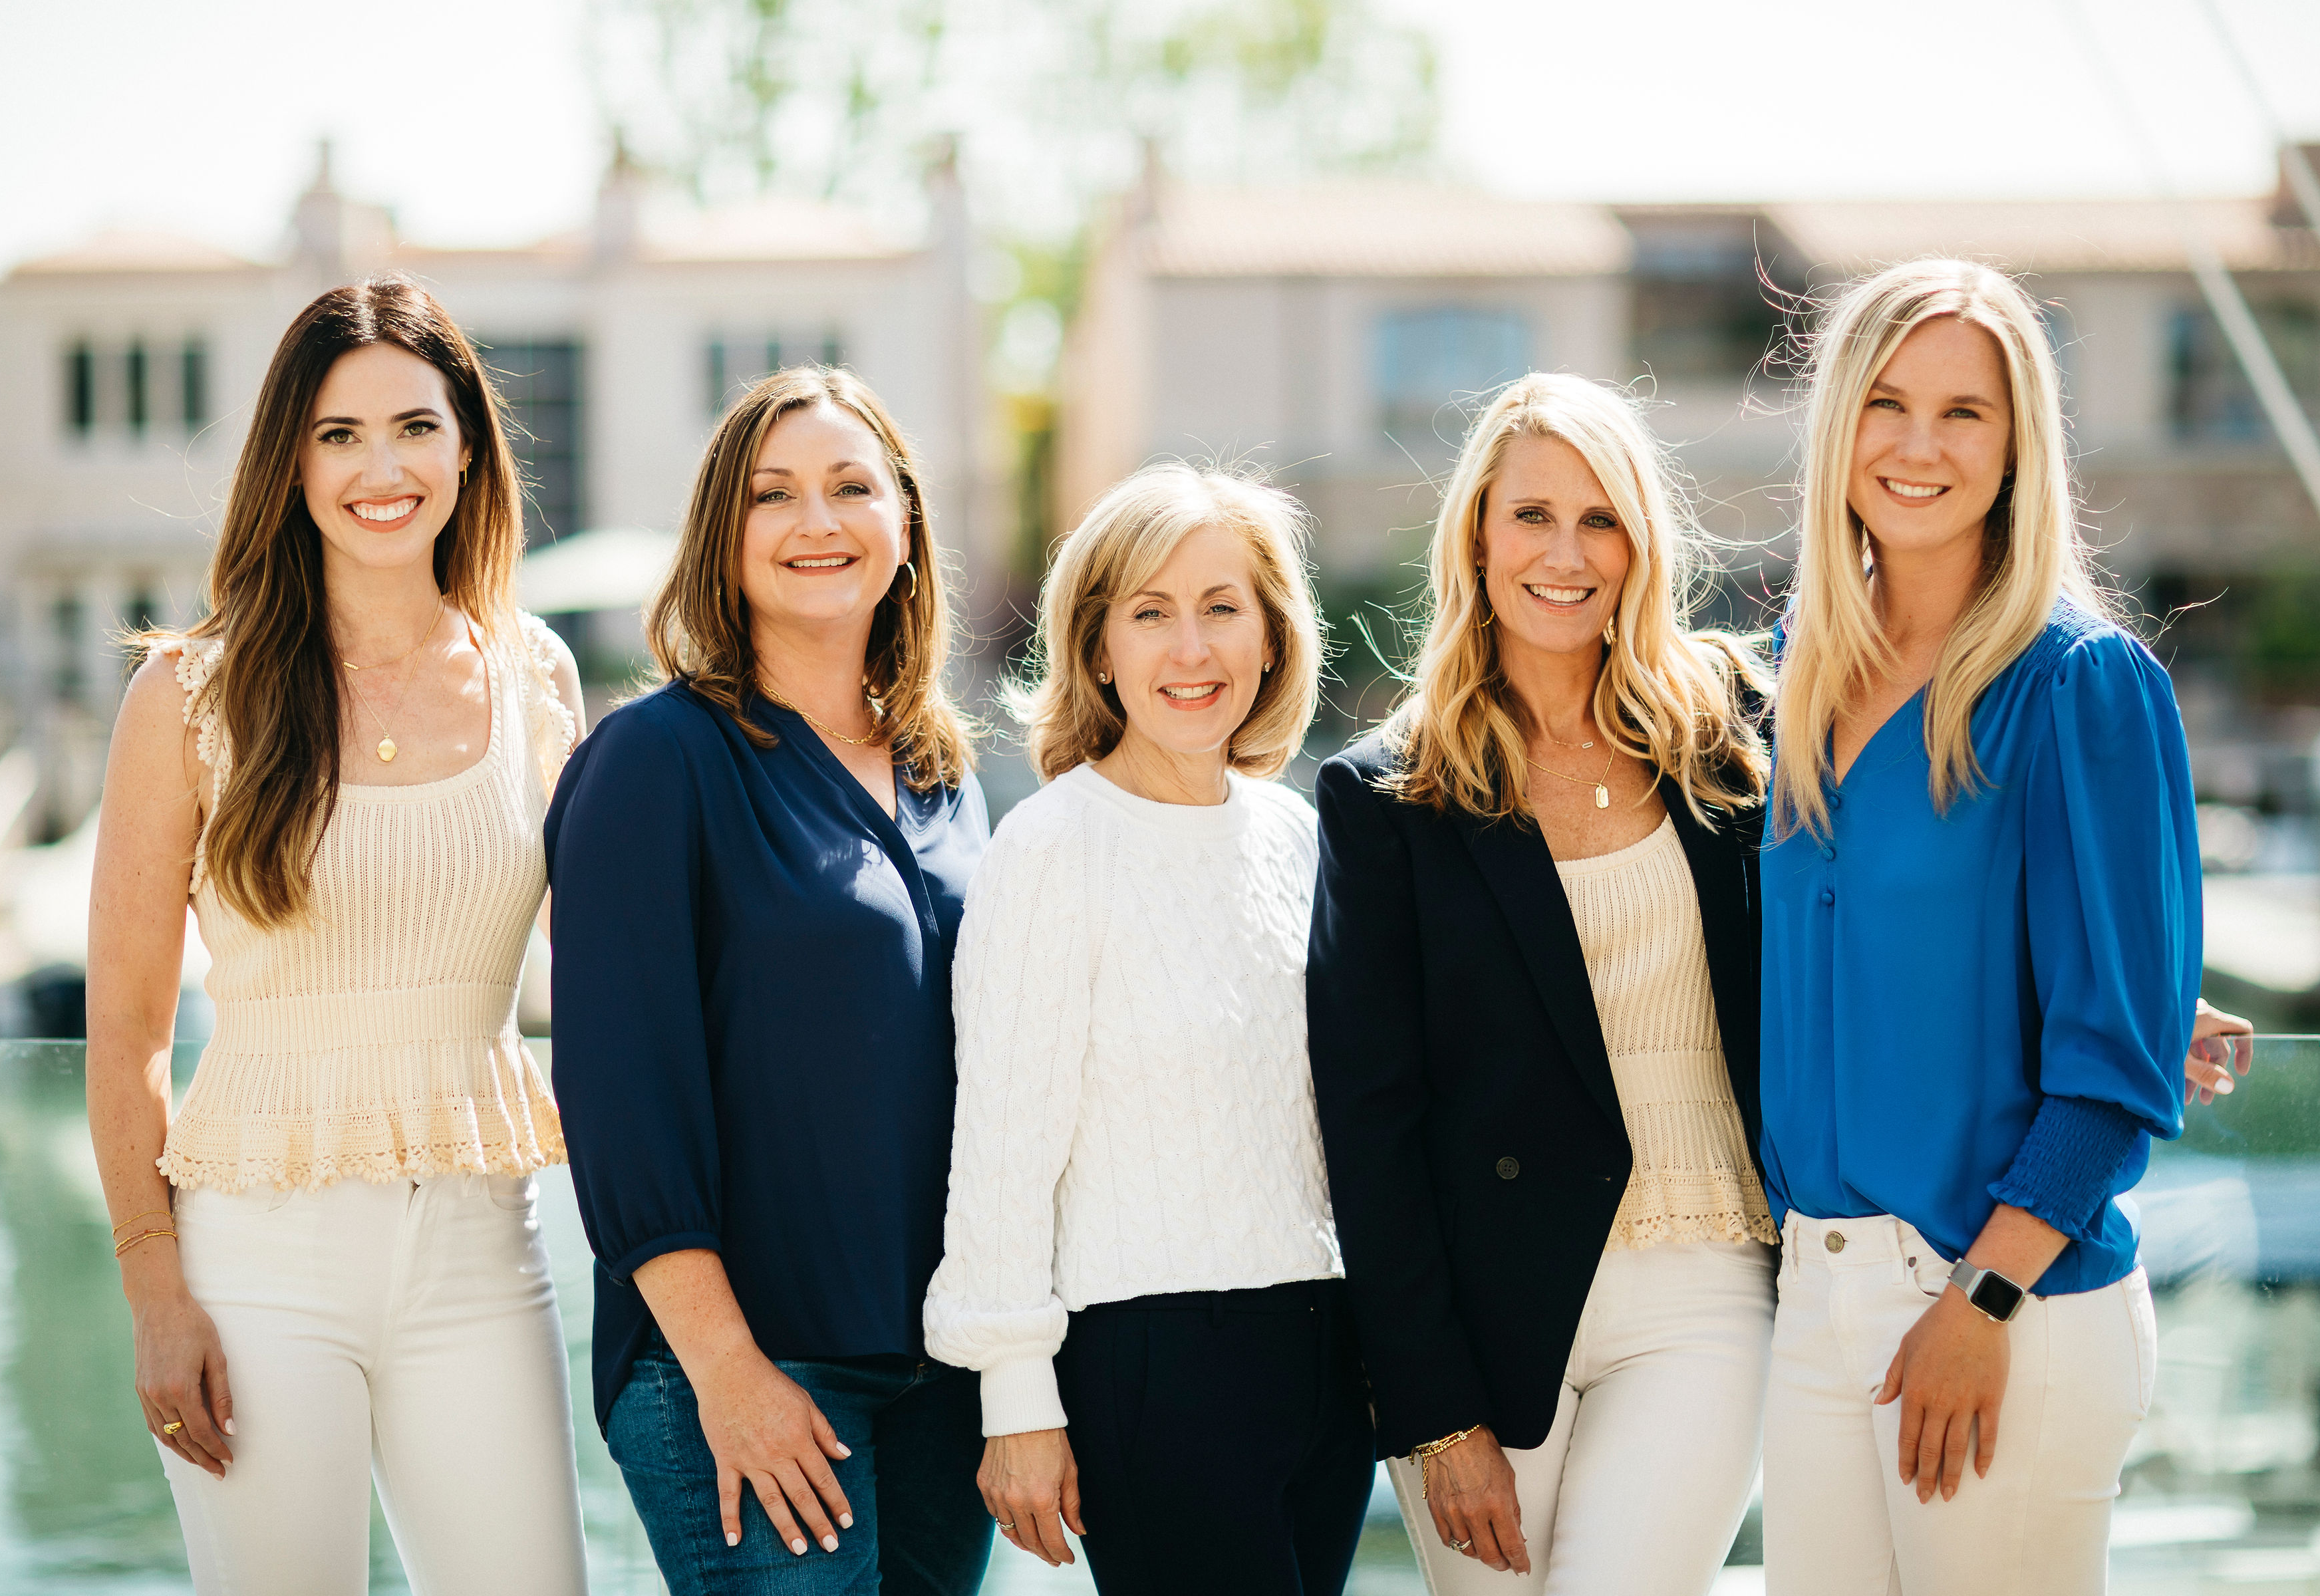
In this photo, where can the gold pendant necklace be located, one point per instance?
(387, 749)
(1602, 792)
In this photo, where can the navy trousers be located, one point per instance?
(1223, 1438)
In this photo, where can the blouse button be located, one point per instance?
(1836, 801)
(1827, 896)
(1828, 850)
(1508, 1168)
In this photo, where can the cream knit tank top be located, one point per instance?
(377, 1038)
(1639, 919)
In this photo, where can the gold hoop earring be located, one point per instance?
(1483, 597)
(912, 596)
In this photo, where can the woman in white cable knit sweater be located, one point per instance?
(1138, 1248)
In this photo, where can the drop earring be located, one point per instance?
(1612, 630)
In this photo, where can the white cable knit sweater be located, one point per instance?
(1135, 1106)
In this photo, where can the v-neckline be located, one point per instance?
(1838, 778)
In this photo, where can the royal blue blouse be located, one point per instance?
(1932, 981)
(753, 1023)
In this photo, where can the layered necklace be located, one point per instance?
(387, 749)
(1602, 790)
(852, 742)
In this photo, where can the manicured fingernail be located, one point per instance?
(844, 1450)
(733, 1537)
(830, 1543)
(227, 1427)
(846, 1521)
(798, 1546)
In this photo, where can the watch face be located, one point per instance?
(1996, 1296)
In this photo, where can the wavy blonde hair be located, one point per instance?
(1668, 696)
(2032, 552)
(1068, 716)
(699, 628)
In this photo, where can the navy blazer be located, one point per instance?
(753, 1023)
(1476, 1150)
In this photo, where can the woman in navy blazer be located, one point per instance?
(758, 871)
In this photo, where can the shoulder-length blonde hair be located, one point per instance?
(1069, 717)
(2032, 552)
(277, 683)
(699, 628)
(1667, 696)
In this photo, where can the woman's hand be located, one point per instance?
(1470, 1489)
(181, 1371)
(761, 1426)
(1949, 1378)
(2220, 1043)
(1031, 1484)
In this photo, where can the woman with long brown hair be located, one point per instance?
(343, 767)
(759, 870)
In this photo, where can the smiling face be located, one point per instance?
(1554, 552)
(827, 526)
(380, 461)
(1936, 435)
(1187, 651)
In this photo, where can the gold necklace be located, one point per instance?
(387, 749)
(851, 742)
(1602, 792)
(1559, 743)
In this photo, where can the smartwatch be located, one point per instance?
(1996, 1297)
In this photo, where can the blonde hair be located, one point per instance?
(1667, 696)
(1069, 717)
(699, 628)
(2031, 551)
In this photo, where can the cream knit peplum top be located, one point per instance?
(377, 1038)
(1638, 918)
(1135, 1105)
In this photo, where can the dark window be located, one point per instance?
(2209, 398)
(67, 620)
(547, 429)
(80, 389)
(1431, 362)
(1700, 314)
(194, 385)
(133, 371)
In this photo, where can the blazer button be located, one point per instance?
(1508, 1168)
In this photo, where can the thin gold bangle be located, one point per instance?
(133, 1218)
(140, 1239)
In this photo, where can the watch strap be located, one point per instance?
(1993, 1295)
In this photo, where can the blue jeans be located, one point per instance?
(916, 1432)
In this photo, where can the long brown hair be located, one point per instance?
(699, 628)
(277, 682)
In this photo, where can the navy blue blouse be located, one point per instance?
(1933, 983)
(753, 1023)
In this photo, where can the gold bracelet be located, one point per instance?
(138, 1239)
(133, 1218)
(1423, 1456)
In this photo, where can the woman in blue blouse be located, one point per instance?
(1982, 958)
(758, 871)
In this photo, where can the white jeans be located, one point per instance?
(1838, 1521)
(409, 1328)
(1641, 1482)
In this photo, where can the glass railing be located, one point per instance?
(2221, 1492)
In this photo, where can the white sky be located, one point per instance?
(475, 120)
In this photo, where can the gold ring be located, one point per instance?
(172, 1427)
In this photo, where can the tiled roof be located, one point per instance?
(1376, 229)
(123, 249)
(2041, 235)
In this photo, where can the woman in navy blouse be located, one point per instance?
(1981, 959)
(758, 871)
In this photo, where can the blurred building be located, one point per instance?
(1340, 335)
(138, 355)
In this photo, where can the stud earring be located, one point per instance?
(1103, 677)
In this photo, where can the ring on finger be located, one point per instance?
(172, 1427)
(1002, 1524)
(1466, 1546)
